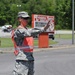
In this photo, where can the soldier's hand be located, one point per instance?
(47, 26)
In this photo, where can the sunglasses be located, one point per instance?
(25, 18)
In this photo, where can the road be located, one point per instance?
(5, 34)
(49, 62)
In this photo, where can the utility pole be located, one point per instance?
(0, 43)
(72, 21)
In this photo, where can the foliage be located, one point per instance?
(61, 9)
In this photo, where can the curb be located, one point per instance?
(54, 48)
(10, 50)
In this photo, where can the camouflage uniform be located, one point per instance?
(24, 64)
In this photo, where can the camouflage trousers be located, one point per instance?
(23, 68)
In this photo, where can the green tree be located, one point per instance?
(61, 9)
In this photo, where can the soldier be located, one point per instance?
(23, 44)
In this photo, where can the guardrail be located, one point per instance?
(63, 32)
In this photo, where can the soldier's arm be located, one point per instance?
(36, 31)
(22, 32)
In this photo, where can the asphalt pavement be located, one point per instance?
(48, 62)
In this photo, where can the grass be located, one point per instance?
(64, 36)
(7, 42)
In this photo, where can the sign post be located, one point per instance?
(39, 21)
(43, 40)
(72, 21)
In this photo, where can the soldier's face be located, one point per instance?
(23, 21)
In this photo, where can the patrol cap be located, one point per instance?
(23, 14)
